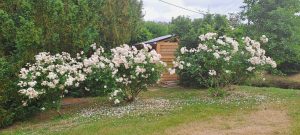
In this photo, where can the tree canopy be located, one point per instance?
(188, 30)
(32, 26)
(277, 20)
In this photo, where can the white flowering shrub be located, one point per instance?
(221, 60)
(99, 70)
(45, 82)
(124, 73)
(135, 69)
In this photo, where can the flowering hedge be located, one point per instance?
(221, 60)
(124, 70)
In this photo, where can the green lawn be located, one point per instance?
(159, 110)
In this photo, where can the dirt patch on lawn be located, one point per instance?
(74, 101)
(264, 121)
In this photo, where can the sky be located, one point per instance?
(155, 10)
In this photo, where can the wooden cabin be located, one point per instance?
(166, 46)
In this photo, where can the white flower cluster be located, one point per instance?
(49, 72)
(212, 72)
(257, 54)
(130, 58)
(117, 96)
(96, 60)
(224, 48)
(222, 60)
(60, 71)
(264, 39)
(178, 64)
(208, 36)
(135, 69)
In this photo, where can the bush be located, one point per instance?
(122, 74)
(44, 82)
(6, 86)
(6, 71)
(220, 61)
(135, 69)
(6, 118)
(98, 69)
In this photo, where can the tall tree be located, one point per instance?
(157, 29)
(277, 20)
(188, 30)
(31, 26)
(121, 21)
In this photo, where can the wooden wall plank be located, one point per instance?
(168, 50)
(168, 43)
(158, 47)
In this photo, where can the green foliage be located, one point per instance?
(29, 27)
(6, 118)
(11, 108)
(121, 22)
(277, 20)
(143, 35)
(157, 29)
(7, 32)
(188, 30)
(5, 72)
(32, 26)
(181, 25)
(149, 30)
(183, 28)
(99, 83)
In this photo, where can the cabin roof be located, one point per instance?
(153, 41)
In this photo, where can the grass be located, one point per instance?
(147, 124)
(285, 82)
(184, 106)
(294, 111)
(292, 103)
